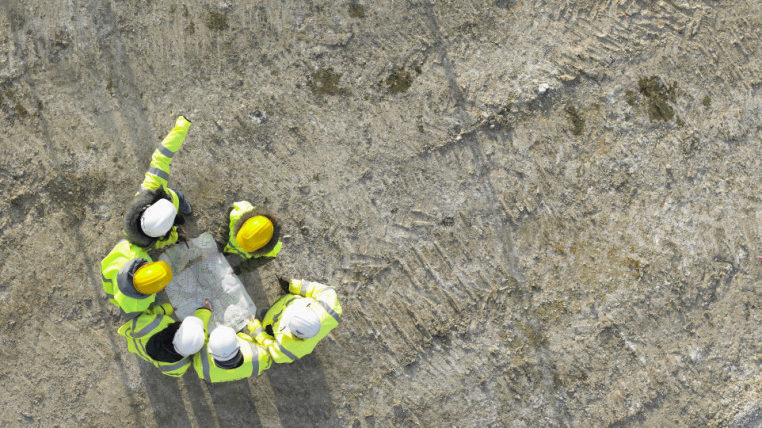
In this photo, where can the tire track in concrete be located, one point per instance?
(439, 44)
(635, 25)
(119, 71)
(33, 92)
(427, 314)
(94, 279)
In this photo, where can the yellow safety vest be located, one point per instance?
(284, 347)
(116, 279)
(241, 212)
(141, 328)
(255, 360)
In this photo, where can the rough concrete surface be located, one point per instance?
(536, 213)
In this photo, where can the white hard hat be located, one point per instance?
(189, 338)
(301, 319)
(158, 218)
(223, 343)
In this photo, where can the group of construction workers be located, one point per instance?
(289, 330)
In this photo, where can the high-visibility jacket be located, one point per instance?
(154, 187)
(117, 269)
(284, 346)
(255, 361)
(139, 330)
(241, 212)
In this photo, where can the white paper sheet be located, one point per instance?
(201, 272)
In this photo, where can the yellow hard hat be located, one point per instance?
(255, 233)
(152, 277)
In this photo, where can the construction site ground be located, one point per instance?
(535, 213)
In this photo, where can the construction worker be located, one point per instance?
(164, 342)
(151, 220)
(228, 357)
(131, 278)
(253, 232)
(296, 322)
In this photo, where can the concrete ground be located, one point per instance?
(536, 213)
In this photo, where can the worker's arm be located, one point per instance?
(169, 240)
(255, 331)
(111, 264)
(158, 172)
(264, 360)
(324, 294)
(109, 271)
(163, 309)
(205, 314)
(275, 350)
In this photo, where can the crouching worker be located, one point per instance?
(131, 278)
(164, 342)
(296, 322)
(253, 232)
(151, 220)
(229, 357)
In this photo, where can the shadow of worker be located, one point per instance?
(300, 389)
(301, 393)
(165, 397)
(219, 404)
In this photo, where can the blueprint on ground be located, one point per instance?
(199, 271)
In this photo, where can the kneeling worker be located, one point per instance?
(164, 342)
(296, 322)
(152, 217)
(229, 357)
(131, 278)
(253, 232)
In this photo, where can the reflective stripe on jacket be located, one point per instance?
(139, 330)
(122, 258)
(158, 172)
(255, 360)
(284, 347)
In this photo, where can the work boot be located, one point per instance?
(185, 207)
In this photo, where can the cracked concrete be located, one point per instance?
(516, 237)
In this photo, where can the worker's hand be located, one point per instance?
(207, 304)
(254, 327)
(167, 308)
(181, 235)
(284, 282)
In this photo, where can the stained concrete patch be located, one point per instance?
(630, 97)
(325, 81)
(356, 10)
(494, 268)
(216, 21)
(398, 81)
(576, 120)
(659, 97)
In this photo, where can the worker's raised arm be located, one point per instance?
(324, 294)
(158, 172)
(163, 309)
(256, 333)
